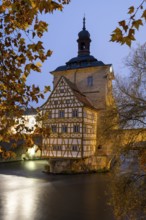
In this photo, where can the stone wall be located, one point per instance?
(101, 82)
(87, 165)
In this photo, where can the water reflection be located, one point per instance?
(30, 165)
(17, 196)
(57, 197)
(19, 204)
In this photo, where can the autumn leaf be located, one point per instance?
(144, 14)
(131, 10)
(137, 23)
(38, 64)
(47, 89)
(21, 53)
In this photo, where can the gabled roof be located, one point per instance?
(80, 96)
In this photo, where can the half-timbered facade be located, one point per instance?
(72, 121)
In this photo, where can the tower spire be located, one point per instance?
(84, 23)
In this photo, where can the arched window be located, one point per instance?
(82, 46)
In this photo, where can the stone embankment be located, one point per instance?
(86, 165)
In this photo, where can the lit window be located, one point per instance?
(61, 114)
(54, 128)
(75, 113)
(76, 128)
(74, 148)
(90, 81)
(64, 128)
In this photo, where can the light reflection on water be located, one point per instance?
(19, 203)
(30, 166)
(19, 197)
(46, 197)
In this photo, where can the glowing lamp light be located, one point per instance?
(31, 151)
(111, 69)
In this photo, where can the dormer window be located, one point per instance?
(90, 81)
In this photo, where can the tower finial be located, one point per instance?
(84, 20)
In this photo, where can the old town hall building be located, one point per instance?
(82, 90)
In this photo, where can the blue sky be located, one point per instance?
(101, 19)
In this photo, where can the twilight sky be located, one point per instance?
(101, 19)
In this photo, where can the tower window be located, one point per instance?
(90, 81)
(83, 46)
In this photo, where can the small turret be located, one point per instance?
(84, 41)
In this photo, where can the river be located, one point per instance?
(26, 193)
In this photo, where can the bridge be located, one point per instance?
(134, 139)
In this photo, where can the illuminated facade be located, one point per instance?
(82, 90)
(72, 120)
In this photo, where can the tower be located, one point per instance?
(90, 75)
(82, 91)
